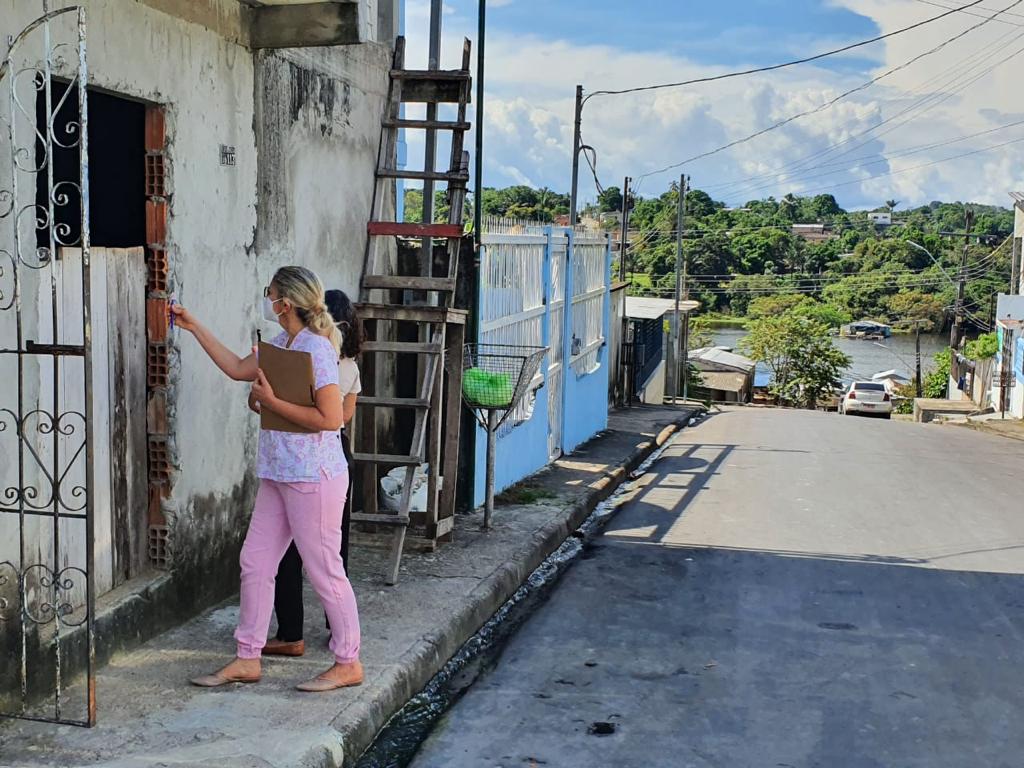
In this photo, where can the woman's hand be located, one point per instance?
(254, 404)
(183, 318)
(262, 392)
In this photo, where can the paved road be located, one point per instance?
(785, 589)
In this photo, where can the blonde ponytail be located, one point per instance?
(322, 323)
(303, 289)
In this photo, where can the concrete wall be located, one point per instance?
(305, 127)
(318, 129)
(654, 391)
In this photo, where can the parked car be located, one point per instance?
(866, 397)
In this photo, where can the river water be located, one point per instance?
(868, 357)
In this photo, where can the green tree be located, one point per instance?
(935, 382)
(805, 365)
(982, 348)
(908, 306)
(610, 200)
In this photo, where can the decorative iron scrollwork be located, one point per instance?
(55, 595)
(67, 424)
(8, 281)
(8, 575)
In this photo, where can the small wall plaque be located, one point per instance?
(227, 155)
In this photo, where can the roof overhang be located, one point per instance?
(302, 23)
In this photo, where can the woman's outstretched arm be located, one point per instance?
(235, 367)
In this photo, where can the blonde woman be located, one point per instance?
(288, 605)
(303, 484)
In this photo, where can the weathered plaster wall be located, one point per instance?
(318, 130)
(305, 127)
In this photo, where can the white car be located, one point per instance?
(866, 397)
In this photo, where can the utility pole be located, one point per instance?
(678, 292)
(624, 239)
(478, 192)
(917, 356)
(576, 141)
(957, 334)
(1015, 268)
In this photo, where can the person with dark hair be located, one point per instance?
(288, 587)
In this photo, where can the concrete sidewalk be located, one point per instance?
(150, 716)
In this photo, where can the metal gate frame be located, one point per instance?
(54, 444)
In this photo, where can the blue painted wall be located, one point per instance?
(524, 450)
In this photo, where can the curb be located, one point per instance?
(418, 666)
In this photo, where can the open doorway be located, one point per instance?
(117, 214)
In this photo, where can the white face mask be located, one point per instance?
(268, 310)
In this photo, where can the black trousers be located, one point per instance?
(288, 587)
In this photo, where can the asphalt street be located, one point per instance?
(782, 589)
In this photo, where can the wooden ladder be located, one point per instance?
(385, 311)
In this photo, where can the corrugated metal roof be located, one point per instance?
(718, 356)
(648, 308)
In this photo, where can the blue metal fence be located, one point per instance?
(546, 286)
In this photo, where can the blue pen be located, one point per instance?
(170, 307)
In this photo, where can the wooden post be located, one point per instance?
(453, 360)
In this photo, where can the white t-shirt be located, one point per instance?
(348, 377)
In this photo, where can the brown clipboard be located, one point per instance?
(290, 374)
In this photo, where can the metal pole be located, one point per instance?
(917, 352)
(957, 333)
(679, 278)
(623, 240)
(685, 352)
(478, 192)
(576, 141)
(1015, 268)
(492, 429)
(430, 159)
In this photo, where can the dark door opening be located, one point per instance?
(117, 156)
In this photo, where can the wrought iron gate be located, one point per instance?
(47, 638)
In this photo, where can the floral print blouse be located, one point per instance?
(289, 457)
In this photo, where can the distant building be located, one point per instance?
(892, 380)
(813, 233)
(1008, 378)
(729, 377)
(868, 328)
(880, 218)
(650, 320)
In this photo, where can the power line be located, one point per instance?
(831, 102)
(886, 158)
(911, 168)
(806, 60)
(921, 106)
(963, 9)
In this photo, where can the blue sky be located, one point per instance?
(538, 50)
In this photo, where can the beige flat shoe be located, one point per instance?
(224, 677)
(338, 676)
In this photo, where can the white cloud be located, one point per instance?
(529, 109)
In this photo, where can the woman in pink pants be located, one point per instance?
(303, 483)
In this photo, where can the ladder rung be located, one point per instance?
(401, 173)
(412, 347)
(381, 519)
(393, 402)
(434, 91)
(385, 458)
(410, 229)
(409, 283)
(439, 125)
(430, 74)
(420, 314)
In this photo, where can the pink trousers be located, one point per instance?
(309, 513)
